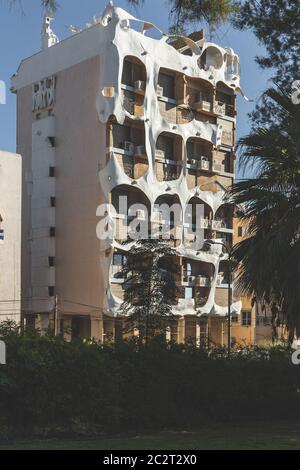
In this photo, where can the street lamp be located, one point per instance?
(229, 252)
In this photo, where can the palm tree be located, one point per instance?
(268, 260)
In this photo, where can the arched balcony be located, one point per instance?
(223, 219)
(225, 102)
(211, 57)
(133, 84)
(222, 225)
(168, 156)
(199, 160)
(132, 213)
(198, 216)
(197, 278)
(127, 141)
(199, 97)
(167, 219)
(182, 99)
(170, 93)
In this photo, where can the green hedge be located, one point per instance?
(51, 387)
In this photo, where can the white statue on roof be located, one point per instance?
(48, 38)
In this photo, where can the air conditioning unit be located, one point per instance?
(140, 214)
(140, 86)
(140, 151)
(202, 281)
(159, 91)
(159, 153)
(129, 147)
(205, 223)
(205, 164)
(193, 162)
(203, 106)
(217, 224)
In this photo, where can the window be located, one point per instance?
(240, 231)
(61, 327)
(166, 144)
(188, 293)
(119, 259)
(167, 82)
(227, 162)
(246, 318)
(51, 291)
(52, 232)
(1, 230)
(51, 171)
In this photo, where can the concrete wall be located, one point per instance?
(80, 148)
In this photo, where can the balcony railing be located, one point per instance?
(219, 224)
(219, 108)
(230, 110)
(224, 109)
(205, 224)
(135, 166)
(171, 172)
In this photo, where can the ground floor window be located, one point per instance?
(246, 318)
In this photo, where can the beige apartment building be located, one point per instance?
(256, 324)
(110, 112)
(10, 236)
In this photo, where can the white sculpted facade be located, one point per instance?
(149, 119)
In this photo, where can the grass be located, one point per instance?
(281, 437)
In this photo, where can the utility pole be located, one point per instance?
(229, 303)
(56, 316)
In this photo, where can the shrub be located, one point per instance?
(51, 387)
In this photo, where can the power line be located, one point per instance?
(8, 314)
(24, 299)
(81, 304)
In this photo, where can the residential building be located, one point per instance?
(256, 324)
(10, 236)
(111, 112)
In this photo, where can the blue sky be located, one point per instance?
(20, 38)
